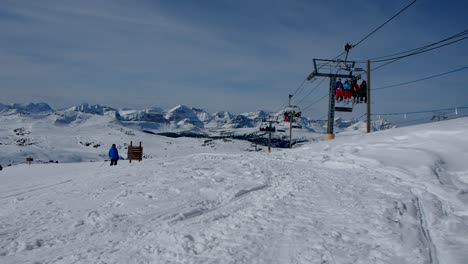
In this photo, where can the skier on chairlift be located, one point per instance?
(356, 91)
(339, 90)
(347, 91)
(363, 94)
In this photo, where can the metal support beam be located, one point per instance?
(316, 74)
(368, 98)
(331, 107)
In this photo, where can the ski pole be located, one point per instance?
(103, 163)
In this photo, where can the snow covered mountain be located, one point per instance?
(202, 115)
(94, 109)
(184, 116)
(155, 115)
(33, 108)
(179, 118)
(240, 121)
(219, 119)
(258, 116)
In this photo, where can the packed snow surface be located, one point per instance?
(396, 196)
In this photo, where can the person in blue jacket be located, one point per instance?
(347, 91)
(113, 155)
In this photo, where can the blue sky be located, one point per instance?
(237, 56)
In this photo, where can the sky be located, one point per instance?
(236, 56)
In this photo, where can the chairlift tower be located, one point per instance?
(269, 129)
(293, 112)
(334, 67)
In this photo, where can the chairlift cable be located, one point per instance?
(390, 19)
(420, 51)
(419, 48)
(422, 79)
(423, 111)
(311, 91)
(409, 121)
(318, 100)
(425, 118)
(299, 87)
(392, 60)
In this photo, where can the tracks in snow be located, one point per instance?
(427, 240)
(34, 189)
(324, 209)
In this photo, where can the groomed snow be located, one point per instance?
(396, 196)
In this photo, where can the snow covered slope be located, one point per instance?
(398, 196)
(74, 136)
(85, 132)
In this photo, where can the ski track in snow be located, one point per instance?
(34, 189)
(321, 203)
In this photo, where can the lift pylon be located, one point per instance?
(331, 69)
(267, 127)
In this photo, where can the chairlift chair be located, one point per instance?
(344, 108)
(265, 126)
(291, 112)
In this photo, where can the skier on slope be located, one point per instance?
(113, 155)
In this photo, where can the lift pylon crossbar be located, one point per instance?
(315, 74)
(343, 65)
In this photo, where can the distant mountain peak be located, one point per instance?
(29, 108)
(93, 109)
(185, 114)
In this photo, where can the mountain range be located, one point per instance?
(83, 132)
(179, 118)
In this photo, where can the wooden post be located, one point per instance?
(368, 98)
(129, 149)
(141, 148)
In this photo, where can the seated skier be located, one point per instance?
(347, 91)
(339, 90)
(363, 94)
(356, 91)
